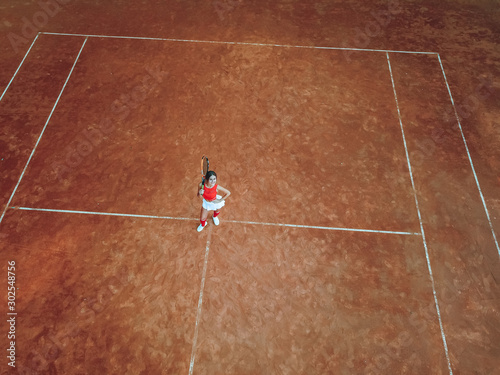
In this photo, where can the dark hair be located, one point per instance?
(210, 174)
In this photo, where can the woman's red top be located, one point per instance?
(210, 193)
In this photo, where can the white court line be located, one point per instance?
(443, 337)
(226, 221)
(41, 134)
(239, 43)
(324, 228)
(470, 158)
(103, 213)
(19, 67)
(200, 302)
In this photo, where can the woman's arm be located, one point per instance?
(200, 189)
(224, 191)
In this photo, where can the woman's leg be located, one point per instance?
(214, 218)
(203, 214)
(203, 219)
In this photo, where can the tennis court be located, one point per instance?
(335, 253)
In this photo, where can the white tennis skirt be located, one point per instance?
(211, 206)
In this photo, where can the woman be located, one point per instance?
(211, 201)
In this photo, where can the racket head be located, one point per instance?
(204, 168)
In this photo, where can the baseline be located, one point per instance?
(238, 43)
(227, 221)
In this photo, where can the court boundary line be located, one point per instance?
(470, 158)
(211, 42)
(286, 46)
(144, 216)
(277, 224)
(19, 67)
(429, 267)
(200, 302)
(237, 43)
(43, 131)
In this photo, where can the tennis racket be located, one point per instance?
(204, 168)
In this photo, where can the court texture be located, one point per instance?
(359, 238)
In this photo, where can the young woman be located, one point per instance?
(211, 201)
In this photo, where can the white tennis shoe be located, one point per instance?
(216, 220)
(200, 227)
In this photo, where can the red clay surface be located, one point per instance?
(300, 136)
(288, 134)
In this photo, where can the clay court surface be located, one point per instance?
(361, 236)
